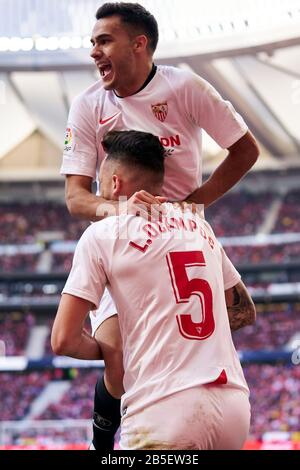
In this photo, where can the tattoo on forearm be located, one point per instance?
(242, 312)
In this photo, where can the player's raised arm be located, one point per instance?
(240, 307)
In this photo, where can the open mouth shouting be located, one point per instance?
(105, 70)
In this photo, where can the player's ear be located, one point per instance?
(140, 43)
(116, 185)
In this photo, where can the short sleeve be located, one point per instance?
(80, 148)
(230, 275)
(87, 278)
(208, 110)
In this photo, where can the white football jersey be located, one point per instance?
(175, 105)
(168, 280)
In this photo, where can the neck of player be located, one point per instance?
(137, 83)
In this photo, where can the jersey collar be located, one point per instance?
(147, 81)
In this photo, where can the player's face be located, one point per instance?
(113, 53)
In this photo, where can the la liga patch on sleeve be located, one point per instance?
(68, 143)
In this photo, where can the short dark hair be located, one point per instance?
(134, 15)
(140, 150)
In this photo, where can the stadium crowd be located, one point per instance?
(274, 398)
(274, 327)
(288, 220)
(23, 223)
(14, 332)
(239, 214)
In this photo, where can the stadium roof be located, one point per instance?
(249, 50)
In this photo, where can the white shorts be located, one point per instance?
(207, 417)
(106, 309)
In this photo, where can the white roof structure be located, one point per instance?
(248, 49)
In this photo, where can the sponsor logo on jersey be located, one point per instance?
(160, 111)
(68, 139)
(170, 143)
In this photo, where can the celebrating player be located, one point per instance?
(171, 280)
(175, 105)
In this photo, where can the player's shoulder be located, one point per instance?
(174, 74)
(207, 225)
(169, 71)
(181, 77)
(90, 96)
(209, 230)
(110, 228)
(102, 228)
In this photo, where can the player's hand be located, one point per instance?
(187, 206)
(161, 199)
(143, 204)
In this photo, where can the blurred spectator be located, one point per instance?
(21, 223)
(18, 392)
(274, 397)
(62, 262)
(275, 325)
(77, 403)
(241, 255)
(14, 331)
(18, 263)
(289, 216)
(239, 213)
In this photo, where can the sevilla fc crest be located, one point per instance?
(160, 111)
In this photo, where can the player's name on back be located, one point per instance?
(182, 227)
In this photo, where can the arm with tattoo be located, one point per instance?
(240, 307)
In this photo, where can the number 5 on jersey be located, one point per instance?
(184, 288)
